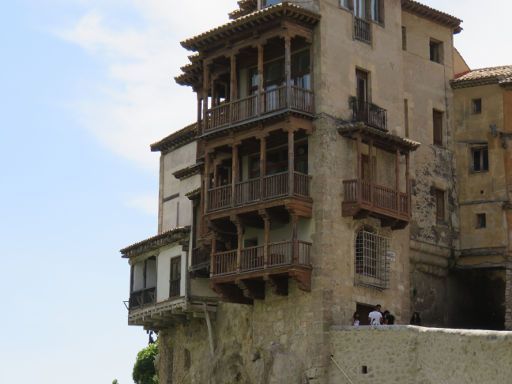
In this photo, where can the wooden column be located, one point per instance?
(359, 169)
(397, 179)
(261, 99)
(214, 94)
(408, 182)
(234, 172)
(212, 255)
(206, 181)
(199, 110)
(295, 242)
(266, 237)
(288, 68)
(263, 165)
(206, 84)
(215, 171)
(233, 86)
(239, 233)
(291, 161)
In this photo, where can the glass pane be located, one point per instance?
(476, 161)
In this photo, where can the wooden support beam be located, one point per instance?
(233, 86)
(263, 165)
(234, 172)
(266, 236)
(252, 289)
(295, 243)
(288, 68)
(212, 255)
(261, 104)
(206, 84)
(278, 284)
(291, 161)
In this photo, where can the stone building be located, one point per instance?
(318, 180)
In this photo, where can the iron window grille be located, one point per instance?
(371, 260)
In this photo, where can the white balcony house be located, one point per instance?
(162, 291)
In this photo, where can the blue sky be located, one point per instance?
(86, 86)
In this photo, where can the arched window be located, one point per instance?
(371, 261)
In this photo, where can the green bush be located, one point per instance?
(144, 371)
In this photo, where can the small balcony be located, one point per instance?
(362, 30)
(369, 113)
(142, 298)
(200, 262)
(363, 195)
(270, 103)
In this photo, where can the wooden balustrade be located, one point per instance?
(252, 258)
(174, 288)
(249, 192)
(276, 185)
(224, 262)
(142, 297)
(271, 100)
(219, 197)
(301, 184)
(376, 196)
(302, 99)
(369, 113)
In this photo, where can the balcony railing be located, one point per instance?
(370, 114)
(251, 191)
(362, 30)
(376, 197)
(200, 258)
(174, 287)
(143, 297)
(286, 253)
(270, 101)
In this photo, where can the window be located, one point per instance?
(377, 10)
(438, 127)
(481, 220)
(439, 196)
(476, 106)
(175, 281)
(404, 38)
(436, 51)
(480, 158)
(371, 259)
(301, 71)
(348, 4)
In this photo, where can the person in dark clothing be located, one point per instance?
(416, 319)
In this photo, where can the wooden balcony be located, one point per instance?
(200, 259)
(362, 197)
(240, 275)
(370, 114)
(270, 102)
(260, 190)
(142, 298)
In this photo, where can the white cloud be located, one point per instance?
(139, 103)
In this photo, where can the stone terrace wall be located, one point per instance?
(413, 355)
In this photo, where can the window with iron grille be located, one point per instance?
(371, 259)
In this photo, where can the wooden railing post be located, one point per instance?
(288, 69)
(263, 165)
(295, 244)
(206, 74)
(266, 237)
(234, 172)
(291, 161)
(261, 100)
(212, 256)
(239, 233)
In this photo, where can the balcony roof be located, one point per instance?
(177, 139)
(248, 23)
(155, 242)
(484, 76)
(430, 13)
(382, 138)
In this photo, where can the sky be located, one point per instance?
(85, 87)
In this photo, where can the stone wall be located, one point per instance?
(403, 354)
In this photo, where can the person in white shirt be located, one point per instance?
(355, 320)
(375, 317)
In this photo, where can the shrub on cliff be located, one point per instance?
(144, 371)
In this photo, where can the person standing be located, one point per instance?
(355, 320)
(375, 316)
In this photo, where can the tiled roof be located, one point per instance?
(423, 10)
(249, 22)
(484, 76)
(177, 139)
(155, 242)
(188, 171)
(348, 129)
